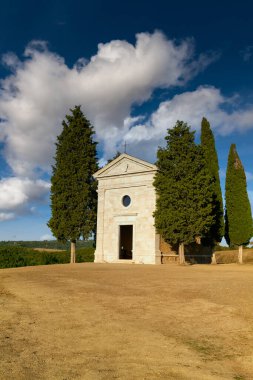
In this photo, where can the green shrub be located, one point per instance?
(85, 255)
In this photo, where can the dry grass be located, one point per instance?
(228, 257)
(102, 322)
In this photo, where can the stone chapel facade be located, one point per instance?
(126, 202)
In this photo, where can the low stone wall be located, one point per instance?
(166, 248)
(194, 253)
(169, 258)
(231, 256)
(199, 254)
(219, 257)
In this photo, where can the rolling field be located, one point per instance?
(100, 321)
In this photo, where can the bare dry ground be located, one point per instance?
(100, 321)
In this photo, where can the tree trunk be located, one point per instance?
(213, 259)
(181, 253)
(240, 261)
(198, 239)
(73, 252)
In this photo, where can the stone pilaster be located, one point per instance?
(100, 226)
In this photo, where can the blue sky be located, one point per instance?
(135, 67)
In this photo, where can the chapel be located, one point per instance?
(125, 222)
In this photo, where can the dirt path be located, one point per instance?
(98, 321)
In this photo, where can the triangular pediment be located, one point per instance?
(125, 165)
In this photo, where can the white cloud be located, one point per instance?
(11, 61)
(191, 107)
(247, 53)
(42, 88)
(6, 216)
(249, 176)
(36, 96)
(47, 237)
(16, 193)
(222, 173)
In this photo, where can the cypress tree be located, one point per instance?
(208, 145)
(238, 218)
(73, 190)
(117, 154)
(184, 210)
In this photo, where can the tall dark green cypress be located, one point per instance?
(239, 225)
(184, 209)
(208, 145)
(73, 190)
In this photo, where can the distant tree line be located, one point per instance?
(48, 244)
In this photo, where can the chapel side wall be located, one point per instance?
(100, 226)
(140, 214)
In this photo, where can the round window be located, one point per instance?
(126, 200)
